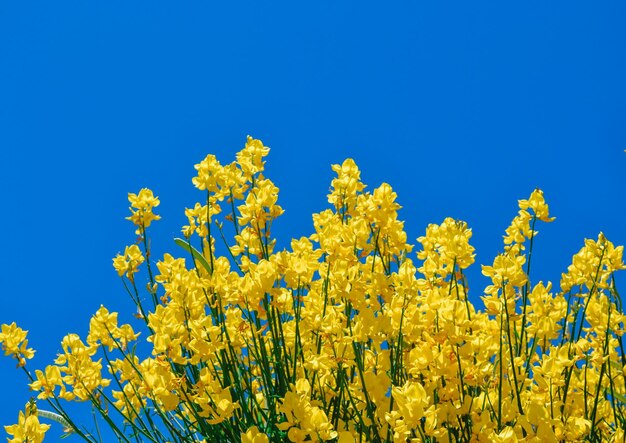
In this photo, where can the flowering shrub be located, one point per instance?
(343, 337)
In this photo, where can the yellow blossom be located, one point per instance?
(15, 344)
(253, 435)
(250, 158)
(128, 263)
(46, 382)
(141, 206)
(341, 336)
(28, 429)
(537, 203)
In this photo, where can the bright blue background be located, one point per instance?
(463, 107)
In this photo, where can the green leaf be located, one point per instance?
(197, 255)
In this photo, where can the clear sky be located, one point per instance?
(463, 107)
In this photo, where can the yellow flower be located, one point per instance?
(141, 206)
(519, 229)
(128, 263)
(103, 330)
(159, 383)
(507, 435)
(547, 310)
(209, 171)
(199, 218)
(411, 400)
(346, 187)
(28, 429)
(250, 158)
(507, 269)
(260, 206)
(15, 344)
(47, 381)
(341, 337)
(82, 373)
(593, 265)
(253, 435)
(537, 203)
(446, 245)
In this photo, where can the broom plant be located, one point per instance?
(345, 336)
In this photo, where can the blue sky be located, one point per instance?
(463, 107)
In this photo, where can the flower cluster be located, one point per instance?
(343, 336)
(15, 344)
(141, 206)
(28, 428)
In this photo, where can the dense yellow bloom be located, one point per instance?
(343, 335)
(593, 264)
(304, 421)
(546, 310)
(446, 246)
